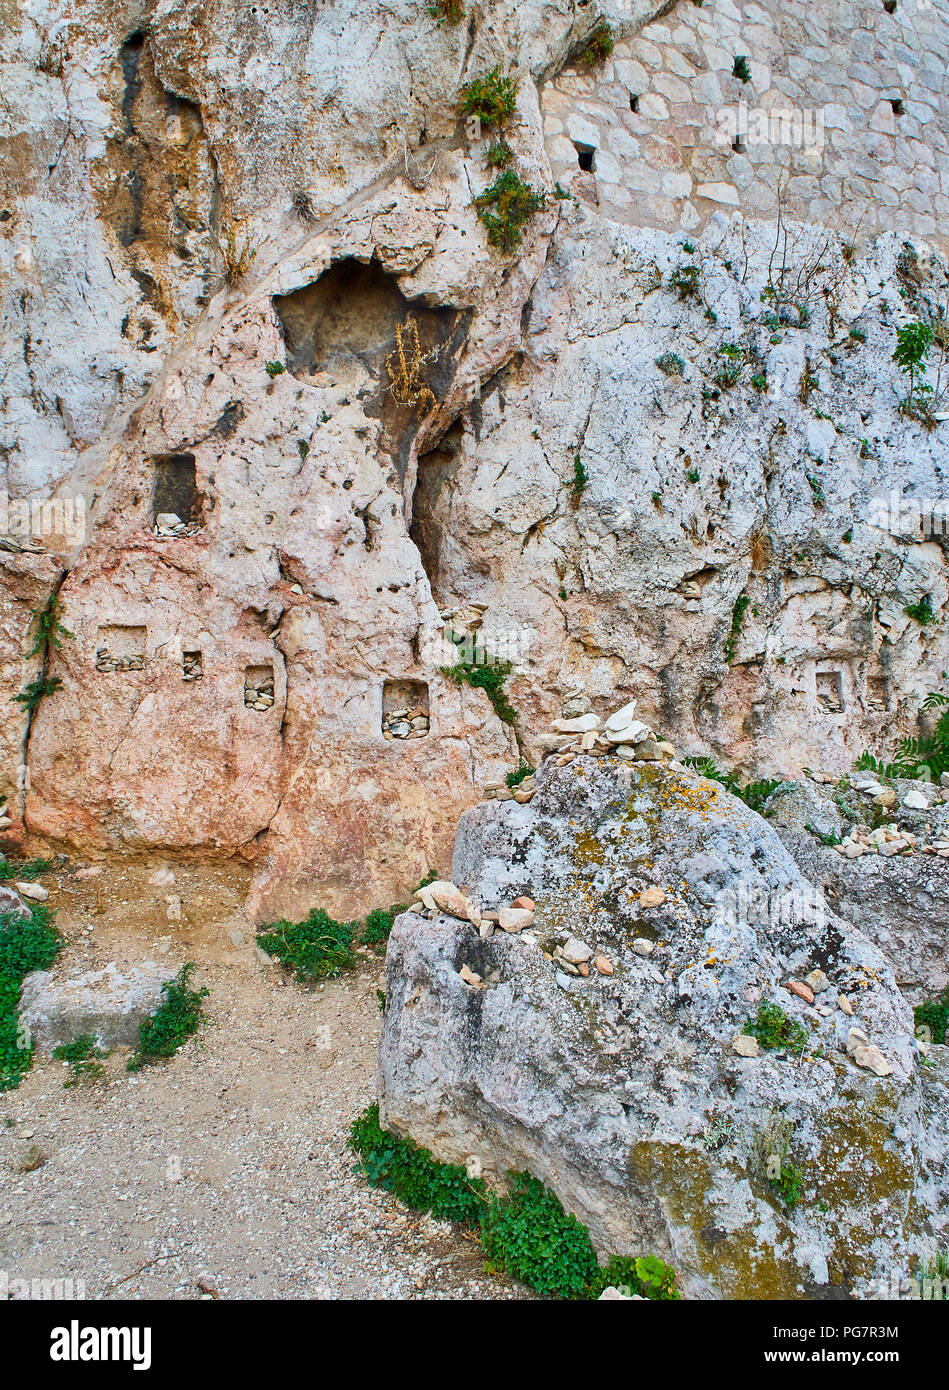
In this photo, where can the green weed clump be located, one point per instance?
(36, 690)
(514, 779)
(579, 482)
(83, 1057)
(685, 281)
(598, 46)
(671, 363)
(491, 680)
(410, 1173)
(498, 155)
(933, 1017)
(314, 949)
(49, 629)
(923, 759)
(506, 208)
(734, 632)
(775, 1031)
(530, 1236)
(492, 98)
(922, 612)
(645, 1275)
(447, 11)
(378, 924)
(25, 945)
(525, 1233)
(173, 1022)
(27, 870)
(753, 794)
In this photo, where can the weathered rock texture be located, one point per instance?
(108, 1005)
(900, 903)
(622, 1091)
(193, 201)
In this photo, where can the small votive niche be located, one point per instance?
(120, 648)
(830, 692)
(405, 711)
(878, 694)
(174, 496)
(259, 687)
(192, 666)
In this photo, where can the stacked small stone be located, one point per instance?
(621, 734)
(105, 661)
(522, 792)
(405, 723)
(192, 668)
(170, 524)
(260, 695)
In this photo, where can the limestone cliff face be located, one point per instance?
(218, 225)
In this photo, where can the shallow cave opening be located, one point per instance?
(431, 508)
(259, 688)
(355, 326)
(120, 647)
(878, 694)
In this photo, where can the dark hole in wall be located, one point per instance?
(585, 156)
(633, 102)
(175, 489)
(431, 511)
(345, 325)
(878, 693)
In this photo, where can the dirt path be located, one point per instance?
(223, 1172)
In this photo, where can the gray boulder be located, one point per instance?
(622, 1091)
(901, 903)
(107, 1004)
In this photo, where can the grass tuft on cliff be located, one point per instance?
(506, 208)
(491, 680)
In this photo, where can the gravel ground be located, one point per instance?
(223, 1172)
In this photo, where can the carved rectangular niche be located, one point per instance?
(405, 709)
(830, 691)
(259, 687)
(121, 648)
(192, 666)
(174, 495)
(878, 694)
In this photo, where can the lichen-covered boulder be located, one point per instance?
(795, 1173)
(901, 903)
(105, 1004)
